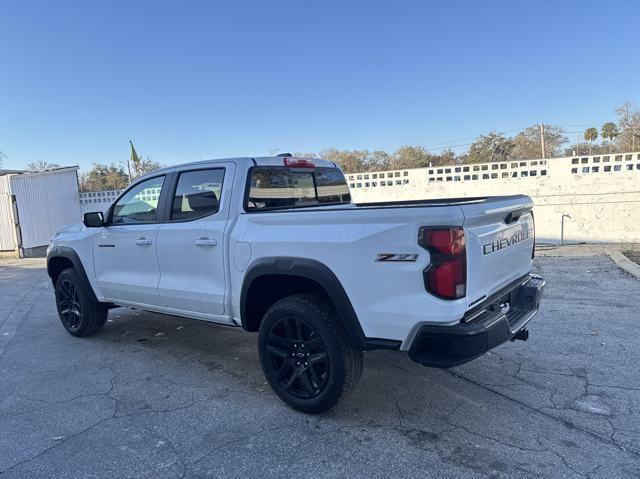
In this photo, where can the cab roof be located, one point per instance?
(258, 161)
(280, 161)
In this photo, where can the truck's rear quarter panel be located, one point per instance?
(388, 297)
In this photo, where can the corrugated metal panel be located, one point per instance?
(7, 228)
(46, 201)
(4, 184)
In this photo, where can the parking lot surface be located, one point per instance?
(153, 396)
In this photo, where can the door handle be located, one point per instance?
(143, 242)
(205, 242)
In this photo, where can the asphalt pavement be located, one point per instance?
(154, 396)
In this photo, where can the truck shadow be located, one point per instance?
(232, 351)
(391, 390)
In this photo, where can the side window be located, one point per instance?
(331, 186)
(197, 194)
(139, 204)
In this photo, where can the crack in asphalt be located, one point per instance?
(583, 375)
(58, 444)
(114, 415)
(565, 422)
(562, 421)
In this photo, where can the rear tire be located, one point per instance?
(306, 355)
(79, 315)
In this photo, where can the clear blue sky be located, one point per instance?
(194, 80)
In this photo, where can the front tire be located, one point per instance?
(79, 315)
(305, 354)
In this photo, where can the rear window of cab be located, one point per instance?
(276, 187)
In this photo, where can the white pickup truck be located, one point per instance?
(275, 245)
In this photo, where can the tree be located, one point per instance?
(527, 144)
(407, 157)
(377, 160)
(103, 177)
(446, 157)
(629, 126)
(349, 161)
(404, 157)
(609, 132)
(490, 148)
(41, 165)
(597, 149)
(143, 166)
(591, 135)
(2, 157)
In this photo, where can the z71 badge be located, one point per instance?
(398, 257)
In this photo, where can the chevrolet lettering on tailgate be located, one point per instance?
(506, 242)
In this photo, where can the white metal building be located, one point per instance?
(33, 205)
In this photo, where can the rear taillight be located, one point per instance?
(446, 275)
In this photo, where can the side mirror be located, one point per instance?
(93, 219)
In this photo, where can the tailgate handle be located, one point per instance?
(514, 216)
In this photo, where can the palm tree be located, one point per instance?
(591, 135)
(609, 131)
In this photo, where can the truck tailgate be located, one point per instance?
(500, 237)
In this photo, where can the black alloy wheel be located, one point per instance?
(80, 314)
(69, 304)
(305, 353)
(298, 357)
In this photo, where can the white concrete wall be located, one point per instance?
(604, 205)
(91, 201)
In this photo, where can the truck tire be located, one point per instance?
(79, 315)
(305, 354)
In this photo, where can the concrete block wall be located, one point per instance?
(600, 193)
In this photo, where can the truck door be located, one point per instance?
(124, 251)
(191, 242)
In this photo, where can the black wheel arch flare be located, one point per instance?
(54, 256)
(314, 271)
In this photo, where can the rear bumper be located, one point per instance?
(487, 326)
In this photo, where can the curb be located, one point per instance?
(624, 263)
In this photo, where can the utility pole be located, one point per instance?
(542, 140)
(578, 144)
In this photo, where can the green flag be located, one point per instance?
(135, 159)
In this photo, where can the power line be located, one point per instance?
(454, 143)
(464, 142)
